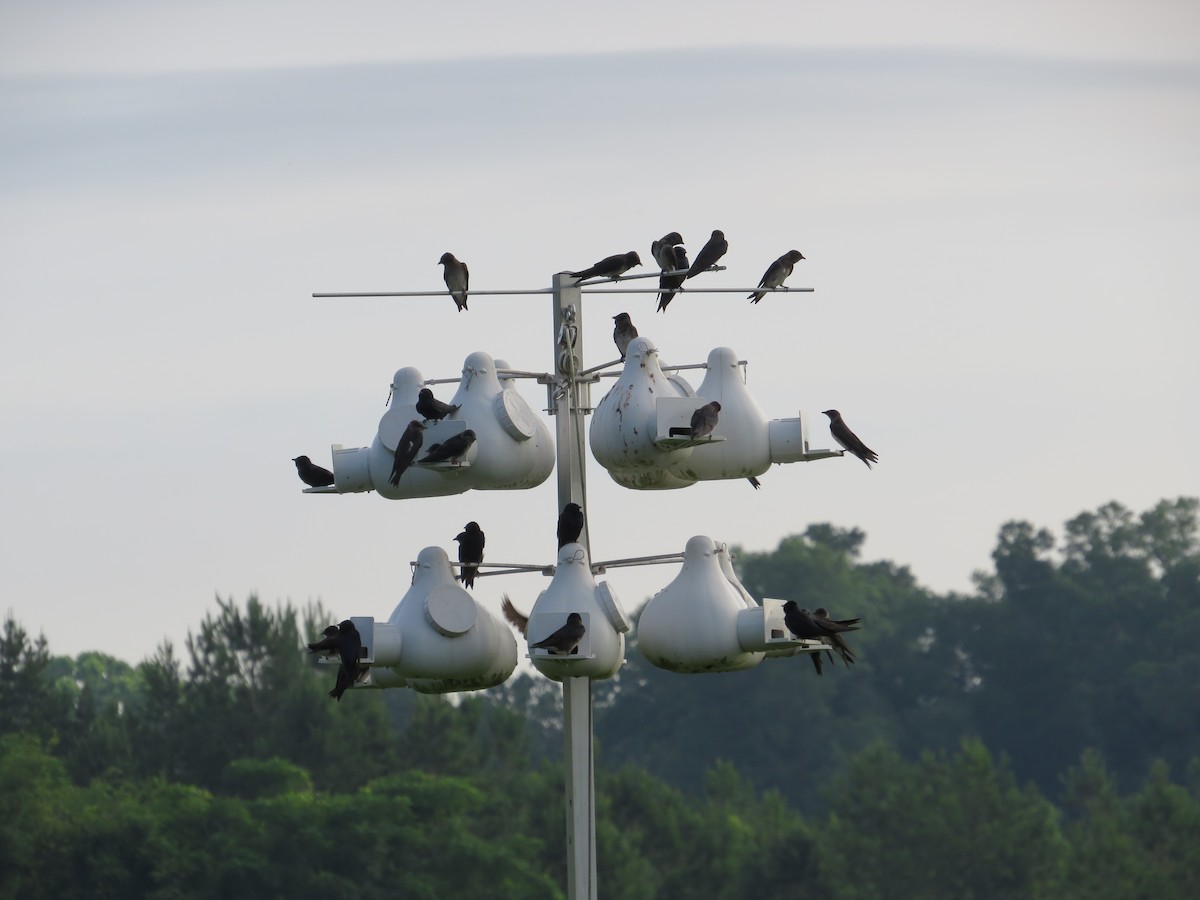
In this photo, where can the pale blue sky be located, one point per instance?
(999, 209)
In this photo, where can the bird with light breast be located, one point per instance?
(457, 278)
(663, 250)
(623, 332)
(312, 474)
(610, 267)
(566, 639)
(776, 274)
(848, 439)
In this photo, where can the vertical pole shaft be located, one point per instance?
(572, 487)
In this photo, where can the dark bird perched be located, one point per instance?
(668, 285)
(311, 474)
(570, 524)
(406, 450)
(610, 267)
(663, 250)
(624, 332)
(350, 650)
(514, 615)
(704, 420)
(328, 644)
(848, 439)
(431, 407)
(457, 279)
(716, 247)
(803, 624)
(450, 449)
(470, 552)
(836, 641)
(566, 639)
(776, 274)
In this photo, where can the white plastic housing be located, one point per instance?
(624, 429)
(438, 639)
(513, 447)
(573, 589)
(691, 625)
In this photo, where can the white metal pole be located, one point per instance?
(580, 780)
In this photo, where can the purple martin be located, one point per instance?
(803, 624)
(350, 650)
(406, 450)
(668, 285)
(570, 524)
(848, 439)
(716, 247)
(566, 639)
(610, 267)
(518, 620)
(328, 644)
(470, 552)
(776, 274)
(663, 250)
(311, 474)
(431, 407)
(453, 448)
(704, 420)
(624, 332)
(457, 278)
(821, 617)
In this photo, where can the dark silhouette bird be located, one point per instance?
(570, 524)
(470, 552)
(754, 482)
(566, 639)
(836, 641)
(624, 332)
(848, 439)
(457, 279)
(668, 285)
(663, 250)
(610, 267)
(518, 620)
(452, 448)
(328, 644)
(776, 273)
(803, 624)
(431, 407)
(311, 474)
(716, 247)
(406, 450)
(350, 650)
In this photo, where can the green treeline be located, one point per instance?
(1039, 737)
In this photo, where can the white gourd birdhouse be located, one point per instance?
(625, 425)
(513, 448)
(691, 625)
(601, 650)
(438, 639)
